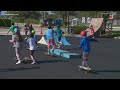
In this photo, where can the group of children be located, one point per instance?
(17, 40)
(50, 33)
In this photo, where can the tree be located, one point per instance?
(27, 14)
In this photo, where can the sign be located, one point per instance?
(83, 19)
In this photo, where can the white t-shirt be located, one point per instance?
(32, 43)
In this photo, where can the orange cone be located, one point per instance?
(41, 31)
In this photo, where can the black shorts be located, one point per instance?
(59, 38)
(32, 52)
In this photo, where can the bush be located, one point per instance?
(110, 36)
(36, 21)
(5, 22)
(31, 21)
(78, 29)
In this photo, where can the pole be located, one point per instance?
(68, 18)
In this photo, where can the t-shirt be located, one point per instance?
(27, 28)
(91, 29)
(32, 43)
(12, 29)
(58, 32)
(50, 34)
(85, 43)
(17, 29)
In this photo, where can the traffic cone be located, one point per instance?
(41, 31)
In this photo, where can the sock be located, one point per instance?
(52, 51)
(48, 51)
(83, 63)
(32, 58)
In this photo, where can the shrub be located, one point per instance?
(31, 21)
(78, 29)
(5, 22)
(36, 21)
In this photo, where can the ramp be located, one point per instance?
(43, 40)
(65, 54)
(97, 23)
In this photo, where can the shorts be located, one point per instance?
(59, 38)
(32, 52)
(13, 37)
(85, 55)
(51, 41)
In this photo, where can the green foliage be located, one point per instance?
(5, 22)
(31, 21)
(36, 21)
(78, 29)
(114, 34)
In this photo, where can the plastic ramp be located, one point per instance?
(43, 40)
(65, 54)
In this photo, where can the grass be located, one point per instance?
(114, 34)
(116, 25)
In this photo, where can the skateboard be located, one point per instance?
(87, 71)
(84, 69)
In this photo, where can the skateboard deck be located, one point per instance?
(84, 69)
(87, 71)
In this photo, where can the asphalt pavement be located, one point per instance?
(103, 59)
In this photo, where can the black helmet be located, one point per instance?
(12, 23)
(58, 26)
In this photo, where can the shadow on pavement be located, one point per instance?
(17, 69)
(110, 71)
(50, 61)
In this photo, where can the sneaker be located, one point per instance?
(58, 47)
(10, 40)
(13, 45)
(33, 62)
(25, 38)
(48, 54)
(18, 62)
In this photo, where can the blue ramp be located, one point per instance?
(65, 54)
(63, 40)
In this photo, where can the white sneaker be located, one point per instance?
(25, 38)
(14, 45)
(18, 62)
(33, 62)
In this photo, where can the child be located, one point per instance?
(18, 42)
(70, 30)
(91, 30)
(32, 46)
(50, 38)
(85, 45)
(26, 30)
(59, 35)
(33, 32)
(13, 33)
(30, 28)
